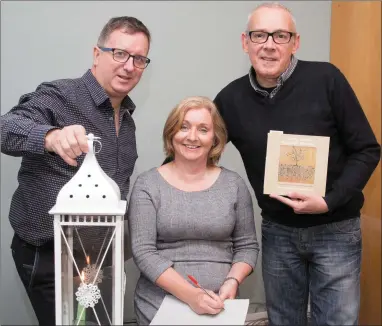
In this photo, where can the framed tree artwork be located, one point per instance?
(296, 163)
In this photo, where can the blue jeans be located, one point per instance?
(321, 261)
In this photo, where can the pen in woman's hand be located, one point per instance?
(193, 280)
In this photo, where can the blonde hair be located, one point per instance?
(175, 119)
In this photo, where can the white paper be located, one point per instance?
(175, 312)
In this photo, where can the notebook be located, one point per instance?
(175, 312)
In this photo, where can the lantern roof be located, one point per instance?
(90, 191)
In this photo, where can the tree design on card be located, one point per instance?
(297, 164)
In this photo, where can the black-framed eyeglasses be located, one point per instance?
(122, 56)
(279, 37)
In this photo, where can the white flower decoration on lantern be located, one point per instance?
(90, 273)
(88, 295)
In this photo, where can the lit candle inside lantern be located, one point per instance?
(81, 312)
(88, 260)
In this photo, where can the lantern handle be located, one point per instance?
(91, 140)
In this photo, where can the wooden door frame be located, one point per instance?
(355, 49)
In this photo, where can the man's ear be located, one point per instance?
(296, 44)
(96, 54)
(244, 42)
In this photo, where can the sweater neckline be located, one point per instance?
(211, 187)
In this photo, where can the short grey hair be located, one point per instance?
(129, 25)
(272, 5)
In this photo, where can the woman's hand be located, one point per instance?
(228, 290)
(201, 303)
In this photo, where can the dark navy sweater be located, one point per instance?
(315, 100)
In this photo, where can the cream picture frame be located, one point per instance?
(296, 163)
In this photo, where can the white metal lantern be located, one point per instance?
(88, 245)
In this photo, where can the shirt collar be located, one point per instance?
(280, 81)
(100, 96)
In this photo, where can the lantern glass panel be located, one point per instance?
(87, 269)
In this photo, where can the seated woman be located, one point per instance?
(191, 217)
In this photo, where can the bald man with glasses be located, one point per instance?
(311, 245)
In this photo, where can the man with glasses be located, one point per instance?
(48, 129)
(311, 245)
